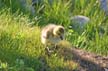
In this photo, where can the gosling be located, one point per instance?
(51, 35)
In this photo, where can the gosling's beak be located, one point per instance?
(61, 37)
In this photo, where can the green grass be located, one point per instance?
(20, 46)
(91, 39)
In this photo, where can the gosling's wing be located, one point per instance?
(45, 34)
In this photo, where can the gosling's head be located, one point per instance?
(59, 32)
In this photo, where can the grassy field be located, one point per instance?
(20, 46)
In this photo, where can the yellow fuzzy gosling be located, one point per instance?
(51, 35)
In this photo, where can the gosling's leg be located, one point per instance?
(48, 51)
(56, 47)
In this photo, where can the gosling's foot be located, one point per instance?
(49, 51)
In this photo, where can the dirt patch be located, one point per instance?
(86, 61)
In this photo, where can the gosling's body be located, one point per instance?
(52, 34)
(47, 35)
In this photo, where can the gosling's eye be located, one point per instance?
(61, 30)
(59, 33)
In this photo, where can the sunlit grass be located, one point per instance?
(19, 42)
